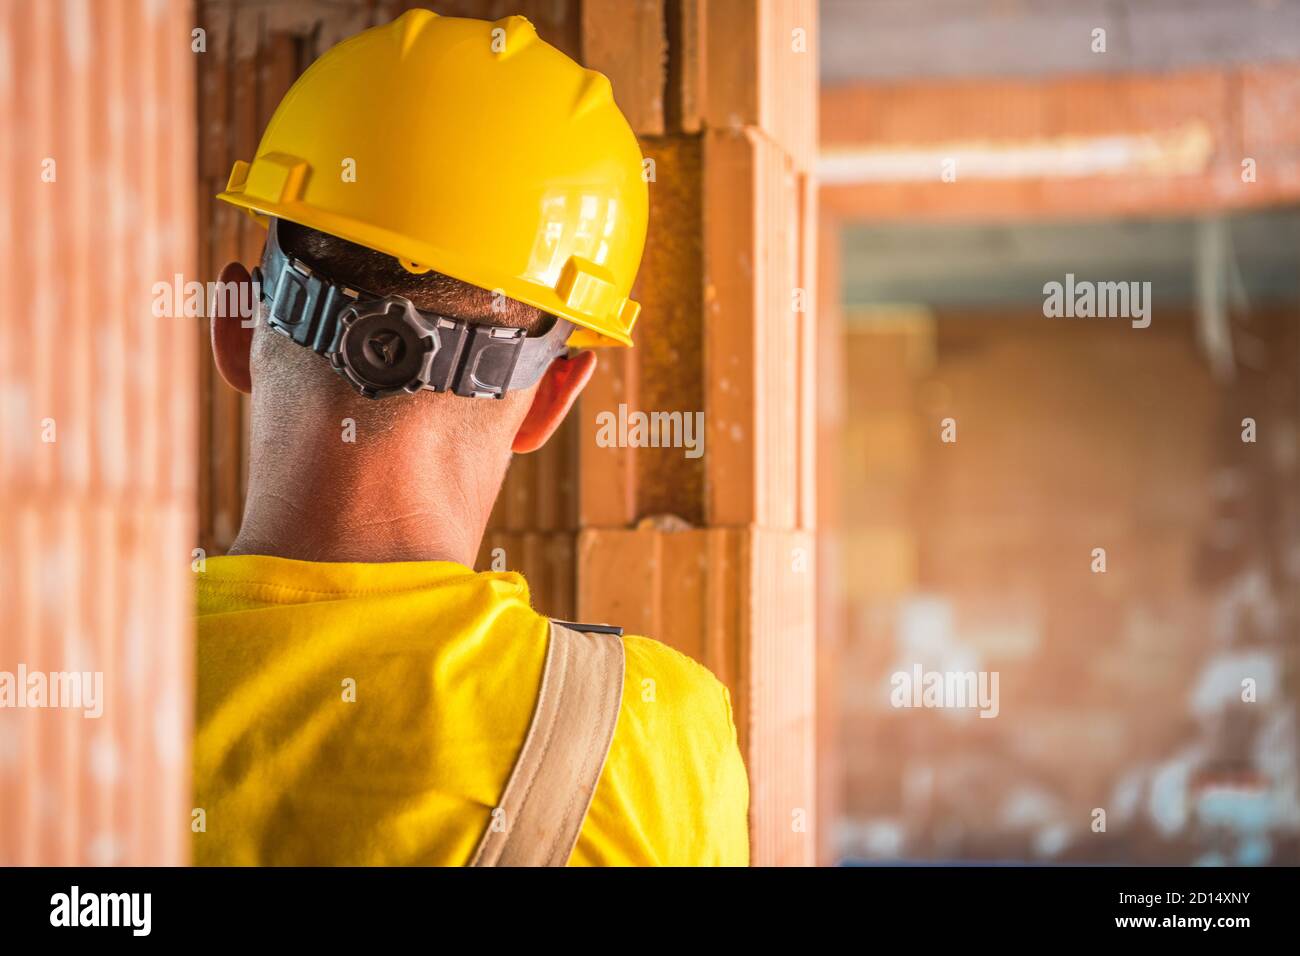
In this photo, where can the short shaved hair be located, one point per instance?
(380, 274)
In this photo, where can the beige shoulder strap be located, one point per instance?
(555, 776)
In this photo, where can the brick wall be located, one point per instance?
(715, 555)
(97, 430)
(1119, 691)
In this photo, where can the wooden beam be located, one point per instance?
(1093, 146)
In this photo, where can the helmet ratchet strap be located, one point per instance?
(386, 346)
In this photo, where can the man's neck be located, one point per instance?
(373, 505)
(273, 526)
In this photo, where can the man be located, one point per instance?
(450, 203)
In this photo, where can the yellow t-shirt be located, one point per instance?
(371, 714)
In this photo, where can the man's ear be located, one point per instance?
(232, 336)
(556, 393)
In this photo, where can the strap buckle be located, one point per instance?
(301, 304)
(485, 369)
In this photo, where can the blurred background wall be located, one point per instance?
(971, 153)
(97, 448)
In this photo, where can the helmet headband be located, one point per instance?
(384, 345)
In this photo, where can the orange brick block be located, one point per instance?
(665, 371)
(758, 67)
(96, 459)
(760, 405)
(626, 40)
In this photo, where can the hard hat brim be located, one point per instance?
(589, 331)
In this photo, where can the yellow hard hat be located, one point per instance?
(470, 147)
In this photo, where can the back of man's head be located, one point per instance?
(387, 427)
(332, 472)
(287, 377)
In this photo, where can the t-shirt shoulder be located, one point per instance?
(680, 716)
(691, 685)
